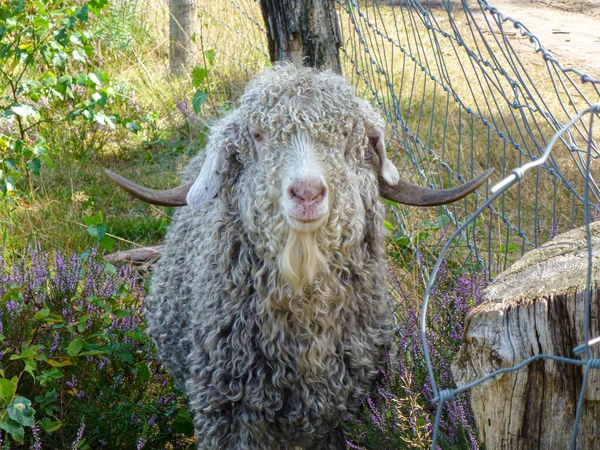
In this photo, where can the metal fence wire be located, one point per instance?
(464, 88)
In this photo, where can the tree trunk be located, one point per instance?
(183, 24)
(303, 32)
(536, 307)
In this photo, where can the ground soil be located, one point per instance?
(568, 29)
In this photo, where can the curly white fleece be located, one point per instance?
(265, 365)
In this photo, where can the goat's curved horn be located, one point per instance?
(411, 194)
(169, 197)
(402, 192)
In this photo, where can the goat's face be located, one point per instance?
(305, 183)
(304, 174)
(303, 194)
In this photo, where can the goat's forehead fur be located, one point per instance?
(286, 98)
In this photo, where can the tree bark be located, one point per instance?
(536, 307)
(303, 32)
(183, 23)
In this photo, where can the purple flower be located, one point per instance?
(11, 305)
(55, 343)
(79, 436)
(37, 441)
(72, 383)
(102, 363)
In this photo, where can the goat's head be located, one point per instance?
(305, 159)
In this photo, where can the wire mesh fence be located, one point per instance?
(464, 88)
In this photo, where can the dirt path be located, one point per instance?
(569, 29)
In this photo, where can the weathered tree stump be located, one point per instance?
(535, 307)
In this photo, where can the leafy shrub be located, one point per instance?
(48, 80)
(76, 369)
(400, 416)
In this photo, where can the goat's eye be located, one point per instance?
(257, 137)
(346, 133)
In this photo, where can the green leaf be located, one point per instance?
(78, 56)
(48, 426)
(59, 59)
(23, 110)
(94, 79)
(183, 423)
(82, 13)
(125, 356)
(13, 428)
(74, 347)
(46, 377)
(41, 314)
(63, 363)
(20, 411)
(65, 80)
(40, 22)
(50, 81)
(199, 74)
(7, 388)
(107, 243)
(34, 166)
(75, 39)
(97, 231)
(132, 126)
(210, 56)
(93, 353)
(100, 99)
(81, 79)
(30, 367)
(142, 372)
(96, 5)
(27, 353)
(198, 100)
(121, 313)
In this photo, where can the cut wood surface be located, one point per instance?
(535, 307)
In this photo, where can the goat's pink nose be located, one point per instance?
(307, 192)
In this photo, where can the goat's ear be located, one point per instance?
(222, 145)
(386, 168)
(209, 180)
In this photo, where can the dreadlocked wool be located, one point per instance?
(273, 331)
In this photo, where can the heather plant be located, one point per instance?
(76, 369)
(400, 415)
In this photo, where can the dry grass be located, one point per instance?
(419, 74)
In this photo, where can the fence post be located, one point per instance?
(183, 23)
(535, 307)
(303, 31)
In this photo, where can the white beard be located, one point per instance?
(301, 261)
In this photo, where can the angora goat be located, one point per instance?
(269, 304)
